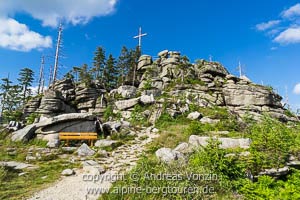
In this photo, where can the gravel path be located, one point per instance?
(90, 179)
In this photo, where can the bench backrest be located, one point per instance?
(77, 135)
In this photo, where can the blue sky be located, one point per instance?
(263, 35)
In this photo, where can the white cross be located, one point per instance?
(240, 69)
(140, 35)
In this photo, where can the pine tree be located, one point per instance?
(75, 72)
(183, 65)
(123, 65)
(4, 87)
(134, 57)
(111, 74)
(25, 81)
(99, 64)
(14, 100)
(85, 75)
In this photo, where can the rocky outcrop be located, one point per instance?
(226, 143)
(168, 155)
(127, 91)
(207, 84)
(85, 150)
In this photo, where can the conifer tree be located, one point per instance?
(134, 57)
(25, 81)
(4, 87)
(123, 65)
(99, 64)
(85, 75)
(111, 74)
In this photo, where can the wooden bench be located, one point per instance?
(90, 136)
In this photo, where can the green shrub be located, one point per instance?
(214, 159)
(110, 113)
(31, 118)
(15, 115)
(147, 85)
(268, 188)
(271, 142)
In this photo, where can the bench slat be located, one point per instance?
(78, 137)
(76, 133)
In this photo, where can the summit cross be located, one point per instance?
(139, 36)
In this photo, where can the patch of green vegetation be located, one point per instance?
(137, 117)
(289, 113)
(193, 81)
(269, 88)
(272, 143)
(268, 188)
(15, 115)
(109, 113)
(210, 162)
(31, 118)
(16, 187)
(147, 85)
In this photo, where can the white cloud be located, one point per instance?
(297, 89)
(50, 12)
(289, 36)
(267, 25)
(291, 12)
(17, 36)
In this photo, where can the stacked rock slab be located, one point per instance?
(89, 98)
(32, 105)
(53, 103)
(67, 89)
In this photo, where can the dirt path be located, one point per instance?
(89, 183)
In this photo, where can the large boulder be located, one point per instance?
(147, 99)
(85, 150)
(127, 91)
(226, 143)
(17, 165)
(215, 69)
(250, 94)
(168, 155)
(24, 134)
(163, 54)
(194, 115)
(183, 148)
(106, 143)
(125, 104)
(144, 61)
(67, 172)
(52, 140)
(276, 173)
(72, 122)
